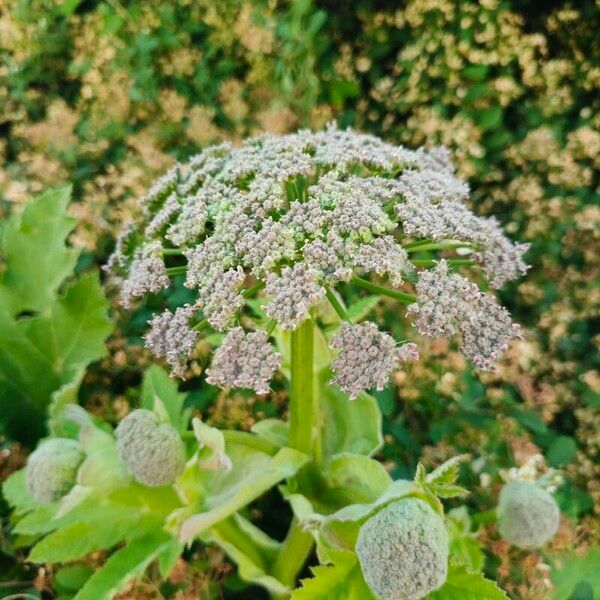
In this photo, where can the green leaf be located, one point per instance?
(463, 585)
(251, 549)
(99, 532)
(46, 341)
(211, 442)
(37, 259)
(489, 118)
(446, 473)
(160, 394)
(464, 545)
(357, 422)
(67, 394)
(71, 334)
(124, 565)
(70, 579)
(341, 581)
(16, 494)
(252, 474)
(167, 557)
(274, 431)
(361, 308)
(353, 478)
(37, 521)
(102, 469)
(570, 571)
(561, 451)
(48, 351)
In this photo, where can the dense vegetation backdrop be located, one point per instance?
(107, 95)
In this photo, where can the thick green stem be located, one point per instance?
(229, 531)
(301, 406)
(292, 555)
(305, 428)
(201, 325)
(379, 289)
(249, 292)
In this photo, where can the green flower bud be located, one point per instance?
(528, 515)
(403, 551)
(152, 451)
(52, 469)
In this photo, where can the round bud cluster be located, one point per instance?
(528, 515)
(403, 551)
(152, 451)
(293, 214)
(52, 469)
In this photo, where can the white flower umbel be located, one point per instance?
(295, 215)
(292, 294)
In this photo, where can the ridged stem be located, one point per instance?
(301, 404)
(292, 555)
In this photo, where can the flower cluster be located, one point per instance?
(172, 337)
(528, 515)
(433, 209)
(244, 360)
(367, 357)
(295, 215)
(449, 304)
(146, 274)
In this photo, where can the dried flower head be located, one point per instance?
(244, 360)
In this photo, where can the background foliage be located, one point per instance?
(106, 95)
